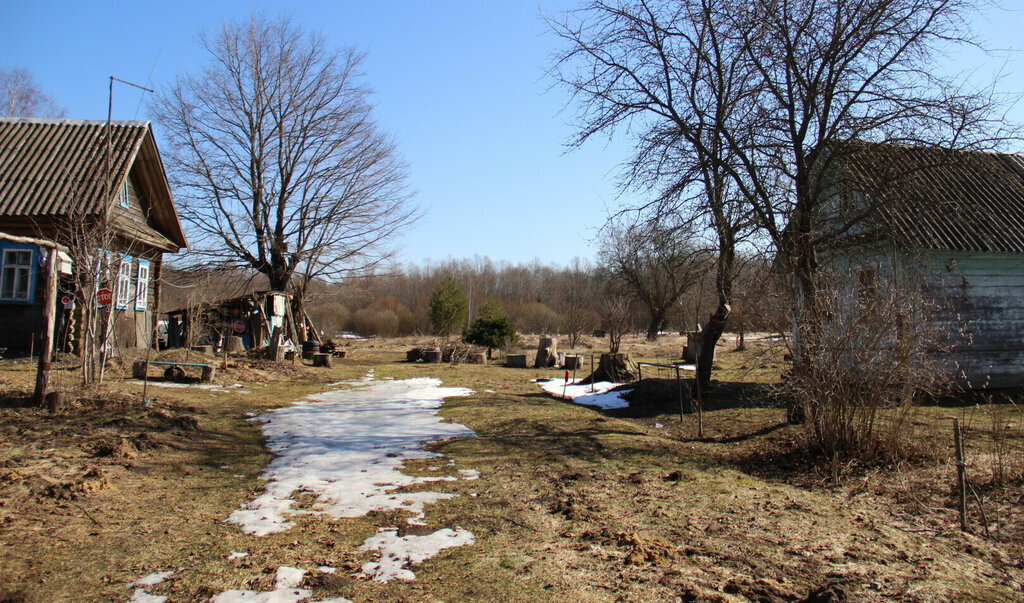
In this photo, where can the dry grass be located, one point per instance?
(571, 503)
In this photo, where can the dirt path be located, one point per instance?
(571, 504)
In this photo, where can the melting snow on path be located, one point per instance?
(397, 552)
(346, 448)
(597, 395)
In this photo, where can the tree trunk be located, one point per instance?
(654, 327)
(49, 321)
(710, 335)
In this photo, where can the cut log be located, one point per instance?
(572, 362)
(477, 358)
(208, 373)
(515, 360)
(432, 356)
(139, 368)
(323, 360)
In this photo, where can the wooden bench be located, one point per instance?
(141, 368)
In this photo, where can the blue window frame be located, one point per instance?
(18, 271)
(123, 293)
(142, 285)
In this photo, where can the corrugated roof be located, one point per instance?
(48, 166)
(935, 198)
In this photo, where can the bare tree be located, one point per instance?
(574, 299)
(279, 164)
(20, 96)
(846, 70)
(656, 263)
(766, 92)
(665, 71)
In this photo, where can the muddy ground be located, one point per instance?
(572, 502)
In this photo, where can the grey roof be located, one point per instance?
(49, 167)
(933, 198)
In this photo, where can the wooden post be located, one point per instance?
(275, 345)
(157, 268)
(49, 323)
(679, 385)
(297, 339)
(961, 474)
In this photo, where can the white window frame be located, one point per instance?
(16, 269)
(142, 285)
(123, 294)
(123, 198)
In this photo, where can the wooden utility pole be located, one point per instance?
(49, 324)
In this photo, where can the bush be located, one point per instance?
(492, 329)
(866, 360)
(536, 317)
(375, 321)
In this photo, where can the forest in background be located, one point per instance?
(538, 298)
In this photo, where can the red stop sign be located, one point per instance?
(103, 297)
(239, 326)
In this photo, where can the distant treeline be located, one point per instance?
(537, 298)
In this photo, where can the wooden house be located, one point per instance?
(951, 223)
(57, 178)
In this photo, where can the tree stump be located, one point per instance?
(323, 360)
(692, 348)
(174, 373)
(139, 368)
(617, 368)
(432, 356)
(547, 353)
(55, 401)
(477, 358)
(515, 360)
(572, 362)
(208, 372)
(234, 346)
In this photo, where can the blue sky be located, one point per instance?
(460, 85)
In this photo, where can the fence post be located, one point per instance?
(961, 479)
(679, 386)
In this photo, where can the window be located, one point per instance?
(142, 285)
(124, 282)
(867, 287)
(122, 196)
(16, 275)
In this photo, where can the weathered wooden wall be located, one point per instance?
(982, 312)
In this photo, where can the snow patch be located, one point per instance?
(141, 596)
(153, 579)
(288, 577)
(346, 447)
(236, 555)
(398, 552)
(270, 596)
(597, 394)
